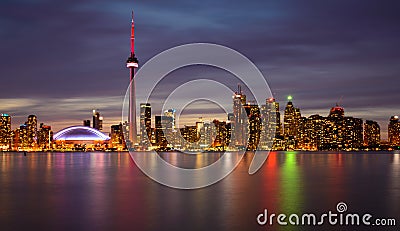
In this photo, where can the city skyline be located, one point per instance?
(185, 120)
(333, 59)
(264, 130)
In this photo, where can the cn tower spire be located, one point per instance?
(133, 37)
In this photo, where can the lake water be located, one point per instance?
(107, 191)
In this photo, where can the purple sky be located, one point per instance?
(60, 59)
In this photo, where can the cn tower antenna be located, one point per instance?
(133, 36)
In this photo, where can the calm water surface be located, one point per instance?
(106, 191)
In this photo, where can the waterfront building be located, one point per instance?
(80, 138)
(291, 119)
(240, 121)
(253, 130)
(353, 133)
(163, 126)
(30, 136)
(222, 135)
(372, 134)
(5, 132)
(145, 125)
(45, 137)
(394, 131)
(117, 141)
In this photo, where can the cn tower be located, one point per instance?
(132, 63)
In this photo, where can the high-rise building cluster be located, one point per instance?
(26, 137)
(254, 127)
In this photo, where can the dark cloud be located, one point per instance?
(317, 51)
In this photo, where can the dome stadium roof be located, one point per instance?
(80, 133)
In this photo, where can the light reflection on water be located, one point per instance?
(106, 191)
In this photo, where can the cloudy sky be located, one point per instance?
(62, 58)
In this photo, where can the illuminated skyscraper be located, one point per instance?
(45, 136)
(163, 126)
(21, 138)
(271, 124)
(272, 108)
(222, 135)
(394, 131)
(335, 129)
(372, 134)
(171, 133)
(117, 141)
(291, 124)
(31, 132)
(132, 63)
(97, 120)
(353, 133)
(239, 119)
(253, 130)
(145, 124)
(5, 132)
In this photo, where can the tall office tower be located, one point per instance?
(145, 125)
(272, 108)
(271, 124)
(171, 134)
(301, 137)
(240, 121)
(45, 136)
(32, 138)
(86, 123)
(97, 120)
(163, 126)
(132, 63)
(117, 141)
(253, 130)
(5, 132)
(23, 141)
(291, 124)
(394, 131)
(372, 134)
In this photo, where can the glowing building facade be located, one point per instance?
(394, 131)
(80, 138)
(5, 132)
(372, 134)
(145, 125)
